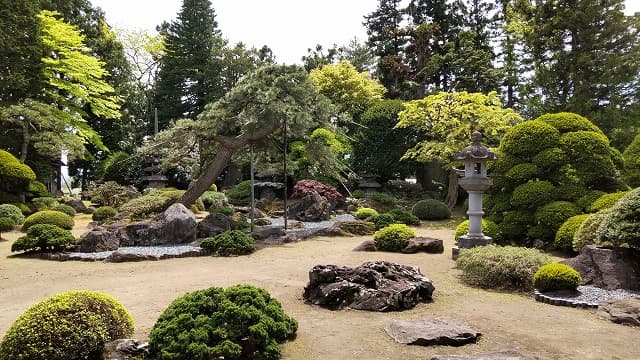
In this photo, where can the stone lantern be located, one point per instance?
(475, 182)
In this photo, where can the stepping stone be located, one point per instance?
(432, 331)
(621, 311)
(498, 355)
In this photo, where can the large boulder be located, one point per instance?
(424, 244)
(609, 269)
(97, 240)
(311, 207)
(621, 311)
(372, 286)
(212, 225)
(432, 331)
(176, 225)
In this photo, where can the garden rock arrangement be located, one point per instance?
(212, 225)
(176, 225)
(610, 269)
(372, 286)
(125, 349)
(415, 245)
(621, 311)
(583, 296)
(97, 240)
(432, 331)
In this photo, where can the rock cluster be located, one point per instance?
(621, 311)
(609, 269)
(176, 225)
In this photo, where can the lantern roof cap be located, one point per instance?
(476, 151)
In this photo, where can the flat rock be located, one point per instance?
(497, 355)
(609, 269)
(433, 330)
(424, 244)
(97, 240)
(212, 225)
(367, 245)
(621, 311)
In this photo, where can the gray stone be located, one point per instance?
(372, 286)
(263, 233)
(621, 311)
(212, 225)
(120, 256)
(76, 204)
(367, 245)
(424, 244)
(262, 222)
(432, 330)
(125, 349)
(176, 225)
(97, 240)
(497, 355)
(311, 207)
(609, 269)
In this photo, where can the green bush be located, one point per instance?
(14, 176)
(571, 192)
(239, 194)
(393, 237)
(404, 217)
(365, 212)
(240, 322)
(111, 194)
(529, 138)
(49, 217)
(621, 226)
(586, 233)
(533, 194)
(36, 189)
(24, 208)
(585, 202)
(631, 156)
(569, 122)
(44, 237)
(384, 198)
(496, 267)
(556, 277)
(606, 201)
(13, 212)
(514, 225)
(549, 160)
(44, 203)
(213, 188)
(65, 209)
(116, 168)
(234, 242)
(567, 231)
(489, 228)
(153, 203)
(522, 173)
(224, 210)
(551, 216)
(382, 220)
(431, 209)
(213, 198)
(358, 194)
(104, 213)
(71, 325)
(6, 224)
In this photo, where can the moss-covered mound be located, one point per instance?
(556, 277)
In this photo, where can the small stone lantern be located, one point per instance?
(475, 182)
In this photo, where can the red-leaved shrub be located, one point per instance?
(305, 187)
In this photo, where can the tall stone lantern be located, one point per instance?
(475, 182)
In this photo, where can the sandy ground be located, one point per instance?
(507, 321)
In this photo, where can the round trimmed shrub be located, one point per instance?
(631, 156)
(382, 220)
(384, 199)
(393, 237)
(556, 277)
(44, 203)
(522, 173)
(71, 325)
(240, 193)
(552, 215)
(224, 210)
(529, 138)
(240, 322)
(514, 225)
(489, 228)
(431, 209)
(6, 224)
(36, 189)
(569, 122)
(365, 212)
(567, 231)
(549, 159)
(49, 217)
(65, 209)
(404, 217)
(213, 188)
(588, 199)
(213, 198)
(104, 213)
(44, 237)
(606, 201)
(621, 225)
(500, 267)
(234, 242)
(533, 194)
(13, 212)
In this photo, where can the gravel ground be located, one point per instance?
(588, 296)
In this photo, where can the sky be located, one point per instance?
(288, 27)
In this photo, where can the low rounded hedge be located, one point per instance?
(44, 237)
(44, 203)
(13, 212)
(365, 212)
(566, 232)
(234, 242)
(489, 228)
(104, 213)
(6, 224)
(404, 217)
(382, 220)
(49, 217)
(71, 325)
(431, 209)
(556, 277)
(240, 322)
(606, 201)
(213, 198)
(65, 209)
(500, 267)
(393, 237)
(224, 210)
(551, 216)
(239, 194)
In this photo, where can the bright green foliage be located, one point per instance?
(549, 217)
(631, 156)
(569, 122)
(393, 237)
(382, 220)
(588, 153)
(431, 209)
(404, 217)
(240, 322)
(529, 138)
(565, 235)
(44, 237)
(239, 194)
(104, 213)
(153, 203)
(606, 201)
(556, 276)
(13, 212)
(496, 267)
(49, 217)
(533, 194)
(489, 228)
(116, 167)
(224, 210)
(586, 233)
(44, 203)
(213, 198)
(585, 201)
(522, 173)
(213, 188)
(65, 209)
(71, 325)
(6, 224)
(234, 242)
(365, 212)
(14, 176)
(621, 226)
(37, 189)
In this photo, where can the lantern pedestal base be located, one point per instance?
(469, 241)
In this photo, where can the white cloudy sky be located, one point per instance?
(288, 27)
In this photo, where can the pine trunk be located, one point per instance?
(452, 192)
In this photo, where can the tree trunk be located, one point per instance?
(26, 138)
(452, 191)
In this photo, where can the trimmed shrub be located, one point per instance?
(234, 242)
(49, 217)
(382, 220)
(384, 199)
(65, 209)
(240, 322)
(588, 199)
(365, 212)
(24, 208)
(213, 188)
(549, 160)
(529, 138)
(104, 213)
(44, 237)
(111, 194)
(239, 194)
(393, 237)
(533, 194)
(404, 217)
(606, 201)
(551, 216)
(567, 231)
(570, 192)
(224, 210)
(13, 212)
(496, 267)
(213, 198)
(569, 122)
(358, 194)
(153, 203)
(586, 233)
(14, 176)
(522, 173)
(44, 203)
(305, 187)
(489, 228)
(621, 226)
(514, 225)
(6, 224)
(556, 277)
(71, 325)
(631, 156)
(36, 189)
(431, 209)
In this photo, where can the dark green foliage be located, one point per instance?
(383, 199)
(224, 210)
(111, 194)
(431, 209)
(550, 160)
(49, 217)
(239, 194)
(404, 217)
(621, 226)
(489, 228)
(153, 203)
(495, 267)
(117, 167)
(382, 220)
(522, 173)
(65, 209)
(584, 202)
(234, 242)
(556, 276)
(104, 213)
(36, 189)
(605, 201)
(393, 237)
(631, 157)
(358, 194)
(533, 194)
(240, 322)
(364, 212)
(44, 237)
(566, 232)
(6, 224)
(13, 212)
(515, 224)
(44, 203)
(527, 139)
(586, 233)
(589, 154)
(549, 218)
(71, 325)
(571, 192)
